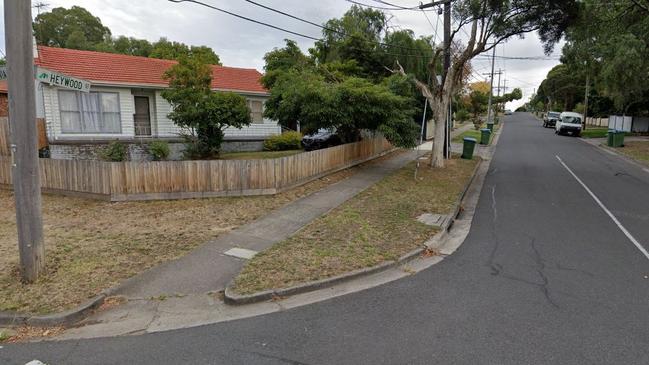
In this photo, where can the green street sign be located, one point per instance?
(61, 80)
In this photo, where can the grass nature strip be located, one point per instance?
(93, 245)
(377, 225)
(638, 150)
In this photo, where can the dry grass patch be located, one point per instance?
(93, 245)
(638, 150)
(377, 225)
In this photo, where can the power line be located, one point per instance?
(394, 7)
(248, 19)
(296, 18)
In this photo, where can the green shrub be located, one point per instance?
(159, 150)
(462, 115)
(284, 141)
(115, 151)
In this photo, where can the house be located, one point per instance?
(125, 103)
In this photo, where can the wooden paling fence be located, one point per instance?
(5, 149)
(120, 181)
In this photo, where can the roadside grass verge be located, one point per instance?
(638, 150)
(377, 225)
(260, 155)
(93, 245)
(474, 134)
(594, 132)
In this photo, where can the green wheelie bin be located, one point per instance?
(485, 135)
(468, 148)
(610, 138)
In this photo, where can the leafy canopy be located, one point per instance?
(77, 28)
(70, 28)
(201, 111)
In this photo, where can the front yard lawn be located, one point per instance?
(638, 150)
(377, 225)
(92, 245)
(260, 155)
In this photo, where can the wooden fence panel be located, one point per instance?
(178, 179)
(4, 137)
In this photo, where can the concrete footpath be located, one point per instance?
(212, 266)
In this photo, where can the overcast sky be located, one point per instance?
(243, 44)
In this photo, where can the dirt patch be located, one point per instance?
(93, 245)
(377, 225)
(27, 333)
(638, 150)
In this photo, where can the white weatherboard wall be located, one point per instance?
(167, 128)
(53, 115)
(161, 125)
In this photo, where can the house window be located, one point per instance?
(256, 110)
(95, 112)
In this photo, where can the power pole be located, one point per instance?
(500, 72)
(586, 98)
(447, 64)
(23, 130)
(491, 88)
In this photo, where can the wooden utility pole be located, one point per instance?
(491, 88)
(447, 65)
(586, 98)
(23, 136)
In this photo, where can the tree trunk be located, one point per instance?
(439, 113)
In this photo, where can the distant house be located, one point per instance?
(125, 102)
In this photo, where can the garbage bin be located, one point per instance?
(610, 138)
(618, 139)
(467, 149)
(490, 126)
(485, 134)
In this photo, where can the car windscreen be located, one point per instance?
(553, 115)
(571, 120)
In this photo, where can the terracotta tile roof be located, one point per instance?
(132, 70)
(3, 86)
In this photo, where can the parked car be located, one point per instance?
(569, 122)
(550, 119)
(508, 112)
(323, 138)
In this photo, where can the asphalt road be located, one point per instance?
(545, 276)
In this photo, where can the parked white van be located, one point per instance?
(569, 122)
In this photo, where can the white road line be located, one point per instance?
(599, 202)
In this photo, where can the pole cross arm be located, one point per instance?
(434, 3)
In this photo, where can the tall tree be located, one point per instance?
(71, 28)
(491, 22)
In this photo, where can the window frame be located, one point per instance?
(81, 112)
(252, 113)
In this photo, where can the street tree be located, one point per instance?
(491, 22)
(199, 110)
(349, 106)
